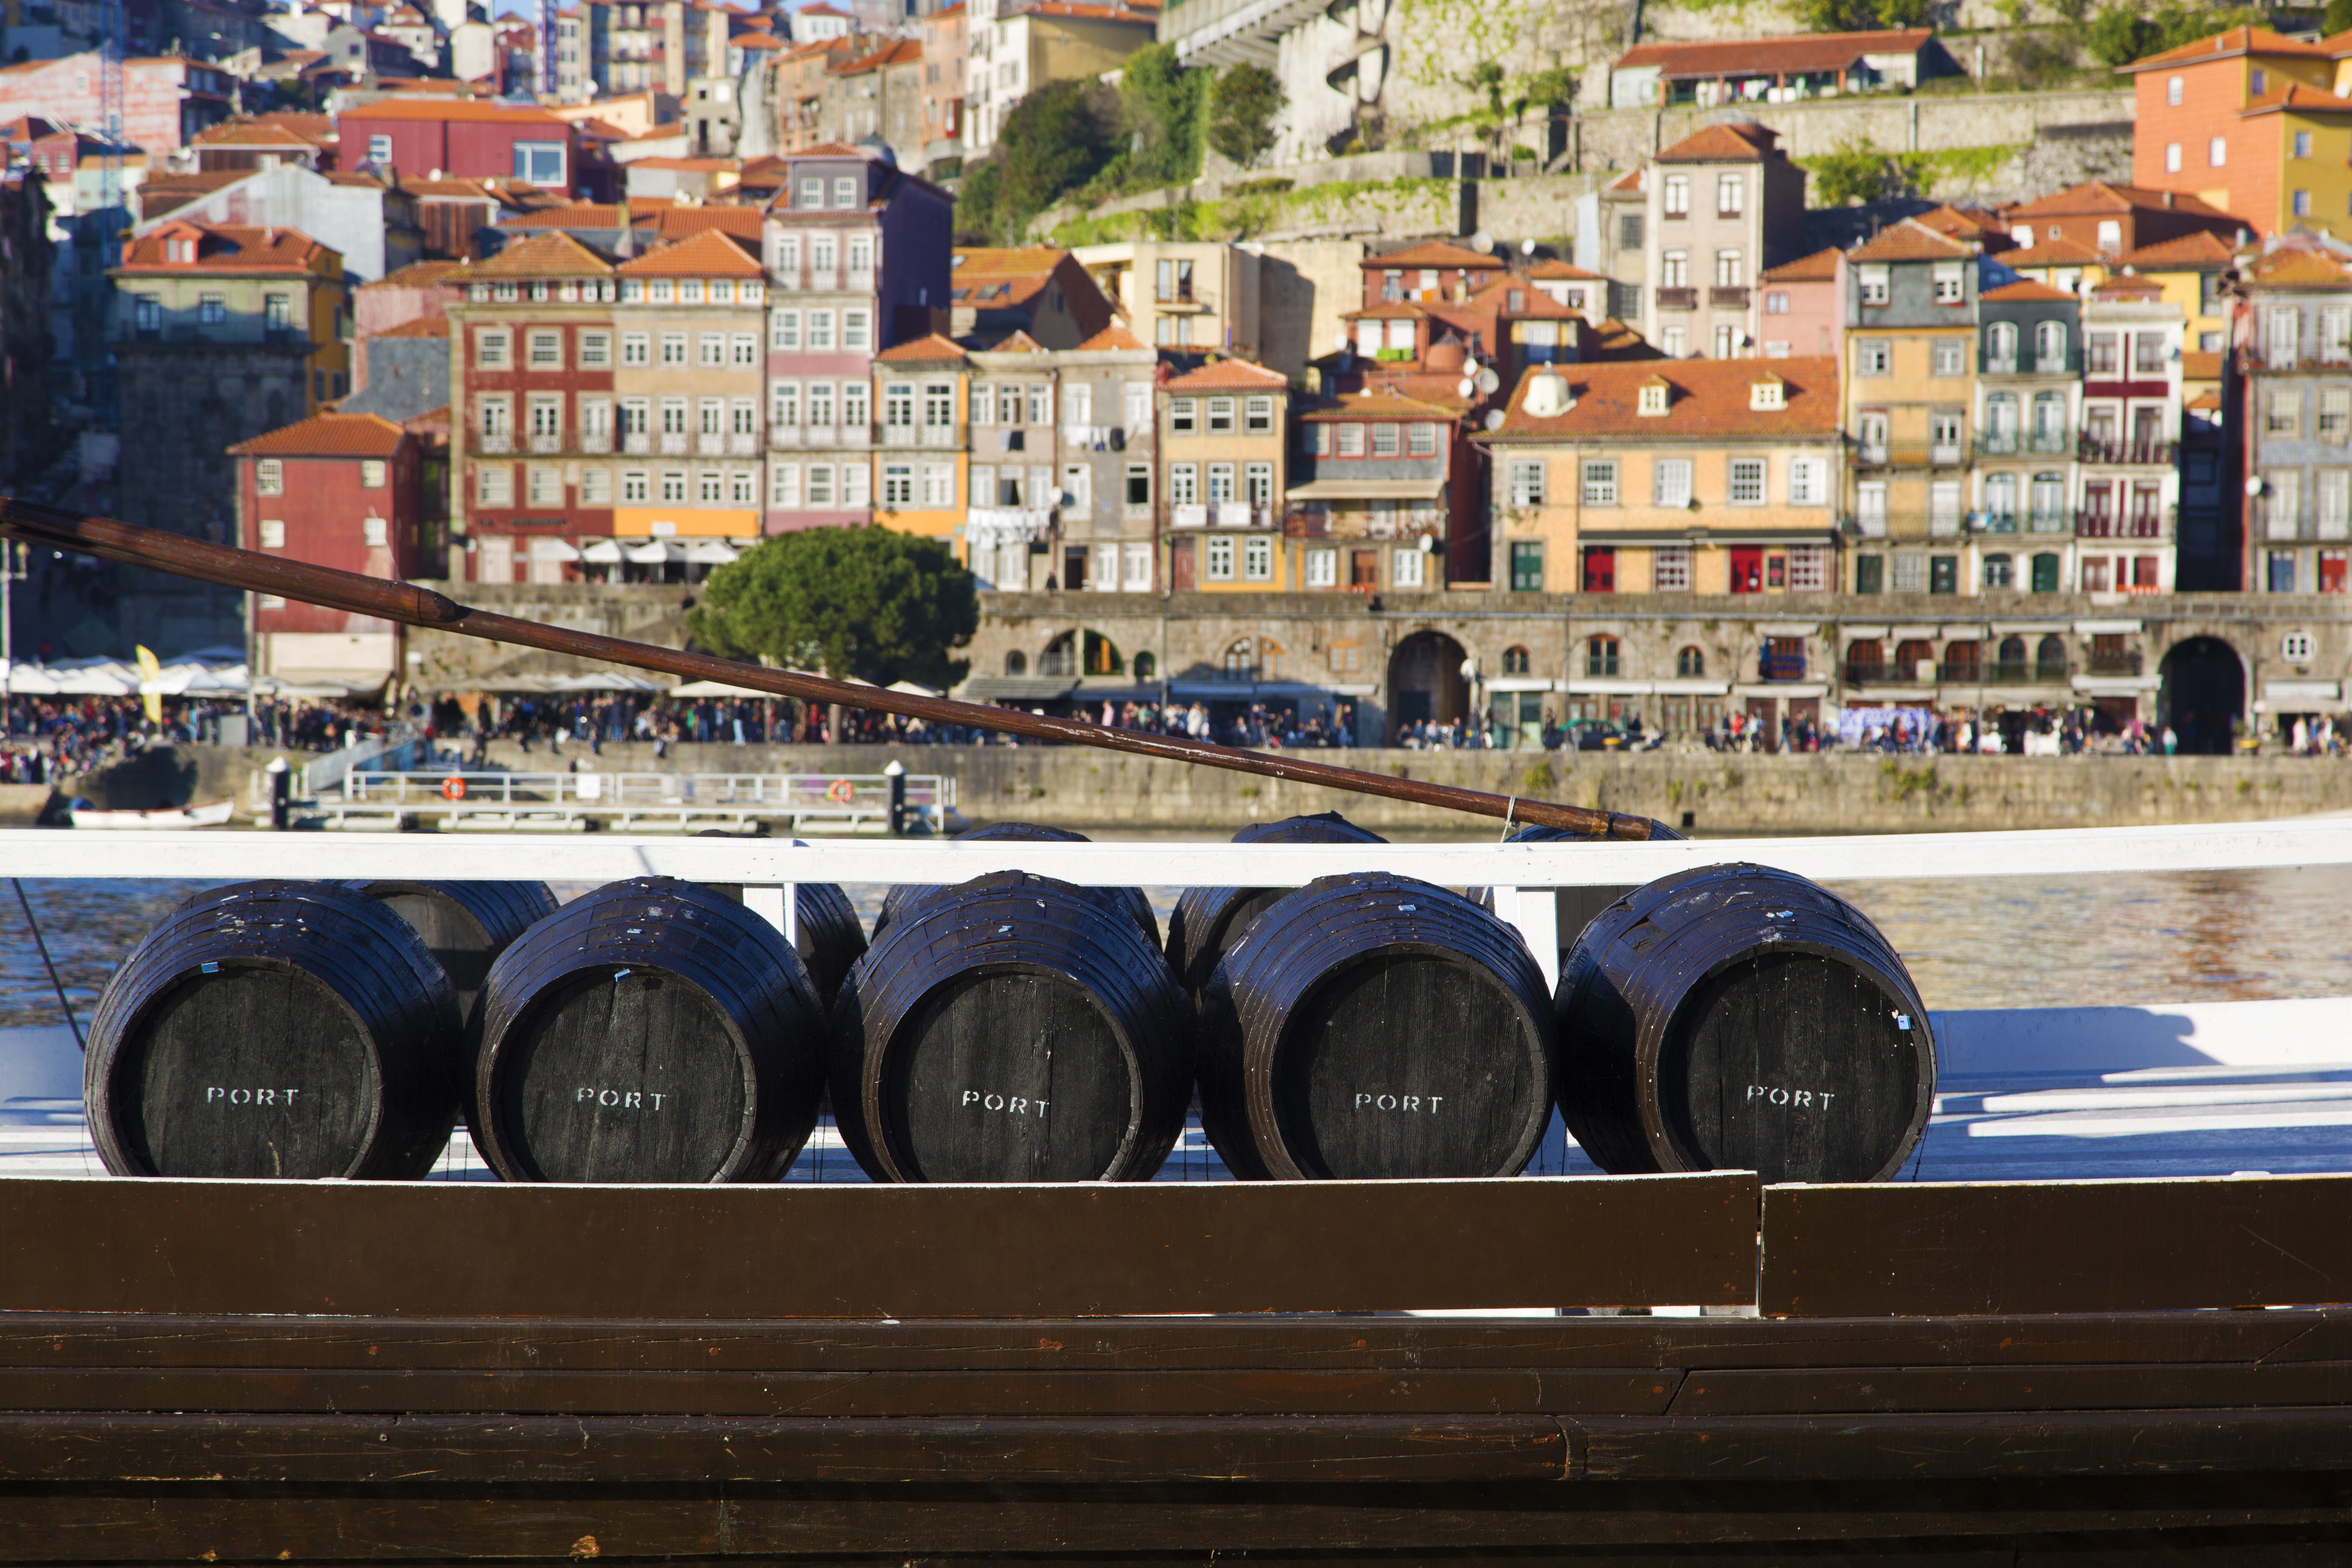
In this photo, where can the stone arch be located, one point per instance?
(1425, 681)
(2202, 694)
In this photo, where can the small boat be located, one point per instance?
(213, 813)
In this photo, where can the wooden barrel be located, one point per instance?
(464, 924)
(1005, 1031)
(903, 898)
(282, 1029)
(826, 932)
(1374, 1025)
(650, 1031)
(1737, 1018)
(1207, 920)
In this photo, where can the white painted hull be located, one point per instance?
(215, 813)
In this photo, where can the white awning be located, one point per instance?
(604, 553)
(1369, 489)
(1610, 687)
(1787, 628)
(1793, 688)
(715, 688)
(2302, 690)
(2107, 628)
(711, 552)
(655, 553)
(1691, 688)
(553, 550)
(1521, 683)
(2115, 685)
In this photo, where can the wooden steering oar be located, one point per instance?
(411, 605)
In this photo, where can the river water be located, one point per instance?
(1989, 942)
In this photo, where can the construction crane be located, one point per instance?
(548, 83)
(110, 103)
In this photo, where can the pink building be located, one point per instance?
(165, 102)
(1797, 308)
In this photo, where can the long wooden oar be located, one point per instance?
(412, 605)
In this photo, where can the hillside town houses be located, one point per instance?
(1677, 471)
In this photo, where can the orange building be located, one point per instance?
(2248, 120)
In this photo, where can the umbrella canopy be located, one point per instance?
(655, 551)
(715, 688)
(711, 552)
(604, 553)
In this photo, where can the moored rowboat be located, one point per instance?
(212, 813)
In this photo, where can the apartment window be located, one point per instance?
(1670, 572)
(497, 417)
(938, 485)
(2334, 413)
(1599, 482)
(2101, 354)
(1869, 573)
(2303, 144)
(1950, 279)
(1420, 440)
(823, 254)
(1870, 507)
(856, 329)
(269, 477)
(1674, 270)
(1220, 565)
(1872, 357)
(1808, 481)
(784, 404)
(2283, 414)
(595, 350)
(898, 485)
(1670, 482)
(2301, 202)
(856, 399)
(1184, 484)
(1257, 483)
(545, 485)
(1676, 196)
(1910, 572)
(845, 191)
(784, 331)
(277, 311)
(820, 484)
(1730, 194)
(379, 150)
(1351, 440)
(595, 487)
(2172, 157)
(1629, 232)
(1257, 559)
(2217, 153)
(273, 535)
(673, 486)
(1527, 483)
(494, 485)
(820, 403)
(1748, 481)
(636, 488)
(546, 349)
(1950, 356)
(820, 331)
(812, 191)
(1221, 414)
(491, 348)
(898, 408)
(1139, 484)
(1221, 481)
(1730, 269)
(2148, 351)
(1809, 569)
(2261, 81)
(539, 162)
(148, 312)
(1874, 280)
(784, 485)
(1526, 577)
(712, 350)
(1407, 567)
(673, 416)
(1257, 416)
(1322, 565)
(2172, 86)
(1388, 440)
(861, 253)
(1602, 655)
(637, 349)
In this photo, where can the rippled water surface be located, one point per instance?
(1993, 941)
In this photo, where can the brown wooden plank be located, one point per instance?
(541, 1452)
(1122, 1523)
(1929, 1248)
(1064, 1394)
(1952, 1446)
(501, 1249)
(1296, 1343)
(1712, 1395)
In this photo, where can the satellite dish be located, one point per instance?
(2254, 485)
(1488, 382)
(1526, 247)
(1483, 243)
(1468, 388)
(1493, 419)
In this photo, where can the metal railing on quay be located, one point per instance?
(454, 797)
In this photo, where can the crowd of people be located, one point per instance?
(48, 736)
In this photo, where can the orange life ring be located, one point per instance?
(841, 790)
(453, 787)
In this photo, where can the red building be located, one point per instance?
(465, 139)
(345, 490)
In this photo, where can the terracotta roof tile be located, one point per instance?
(2298, 269)
(2059, 252)
(1550, 268)
(421, 327)
(471, 110)
(677, 222)
(326, 435)
(709, 254)
(225, 248)
(2025, 291)
(1724, 143)
(1434, 254)
(2223, 45)
(1909, 241)
(1710, 400)
(1821, 267)
(2302, 100)
(555, 254)
(1112, 340)
(929, 349)
(2201, 250)
(1229, 376)
(2110, 196)
(1809, 53)
(1377, 402)
(421, 275)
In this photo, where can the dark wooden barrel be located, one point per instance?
(464, 924)
(1374, 1025)
(1207, 920)
(826, 932)
(281, 1029)
(650, 1031)
(901, 899)
(1005, 1031)
(1737, 1018)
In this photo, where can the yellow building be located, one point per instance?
(1224, 443)
(923, 391)
(1673, 477)
(692, 324)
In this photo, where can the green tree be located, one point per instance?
(1856, 172)
(869, 601)
(977, 220)
(1159, 103)
(2339, 16)
(1242, 107)
(1053, 141)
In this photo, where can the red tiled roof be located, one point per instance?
(2121, 288)
(555, 254)
(1909, 241)
(1809, 53)
(1710, 398)
(929, 349)
(1821, 267)
(1020, 342)
(1724, 143)
(1228, 375)
(228, 249)
(1435, 254)
(326, 435)
(1549, 268)
(2302, 100)
(676, 223)
(419, 275)
(709, 254)
(251, 133)
(572, 214)
(896, 52)
(2222, 46)
(421, 327)
(1387, 310)
(1112, 340)
(2111, 196)
(1381, 402)
(2025, 291)
(2203, 249)
(2059, 252)
(2298, 269)
(834, 150)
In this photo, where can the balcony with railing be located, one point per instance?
(596, 442)
(939, 437)
(1728, 297)
(2127, 453)
(2015, 443)
(674, 443)
(1677, 299)
(495, 441)
(637, 443)
(547, 441)
(1909, 453)
(1881, 674)
(2112, 664)
(2109, 525)
(1771, 666)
